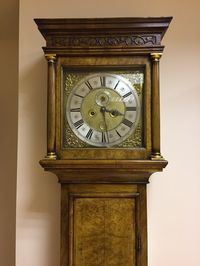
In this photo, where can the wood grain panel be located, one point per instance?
(104, 232)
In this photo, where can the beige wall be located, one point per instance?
(8, 128)
(173, 196)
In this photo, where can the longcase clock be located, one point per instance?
(103, 133)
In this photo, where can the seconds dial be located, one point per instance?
(103, 109)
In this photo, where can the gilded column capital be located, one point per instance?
(50, 57)
(156, 56)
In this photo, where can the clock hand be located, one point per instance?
(103, 110)
(114, 112)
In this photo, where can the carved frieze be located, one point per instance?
(102, 41)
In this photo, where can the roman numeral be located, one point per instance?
(89, 134)
(78, 95)
(103, 138)
(75, 110)
(103, 81)
(131, 108)
(116, 84)
(118, 133)
(87, 83)
(78, 123)
(127, 94)
(127, 122)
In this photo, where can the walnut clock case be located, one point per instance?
(103, 133)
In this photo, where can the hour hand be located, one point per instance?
(114, 112)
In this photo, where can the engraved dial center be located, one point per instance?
(100, 101)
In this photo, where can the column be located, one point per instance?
(51, 58)
(155, 123)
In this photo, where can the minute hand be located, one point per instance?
(103, 110)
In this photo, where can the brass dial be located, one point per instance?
(103, 109)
